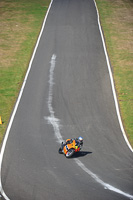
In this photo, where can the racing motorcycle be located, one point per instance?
(70, 147)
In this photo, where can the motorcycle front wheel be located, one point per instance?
(70, 153)
(60, 151)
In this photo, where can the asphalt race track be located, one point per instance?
(67, 94)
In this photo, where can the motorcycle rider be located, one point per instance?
(79, 142)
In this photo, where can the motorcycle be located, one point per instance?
(70, 147)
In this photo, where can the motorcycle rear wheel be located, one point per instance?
(70, 153)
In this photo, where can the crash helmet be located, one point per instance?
(80, 138)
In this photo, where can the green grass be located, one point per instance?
(117, 22)
(20, 25)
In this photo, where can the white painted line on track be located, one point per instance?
(112, 81)
(52, 119)
(56, 126)
(17, 103)
(98, 180)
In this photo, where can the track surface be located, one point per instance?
(82, 99)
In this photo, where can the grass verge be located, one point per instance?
(20, 24)
(117, 23)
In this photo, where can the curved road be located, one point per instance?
(67, 94)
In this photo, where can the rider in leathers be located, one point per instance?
(79, 141)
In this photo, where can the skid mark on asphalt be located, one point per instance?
(55, 122)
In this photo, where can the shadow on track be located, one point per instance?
(81, 154)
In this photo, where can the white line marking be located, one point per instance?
(51, 83)
(55, 123)
(51, 119)
(112, 81)
(17, 103)
(98, 180)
